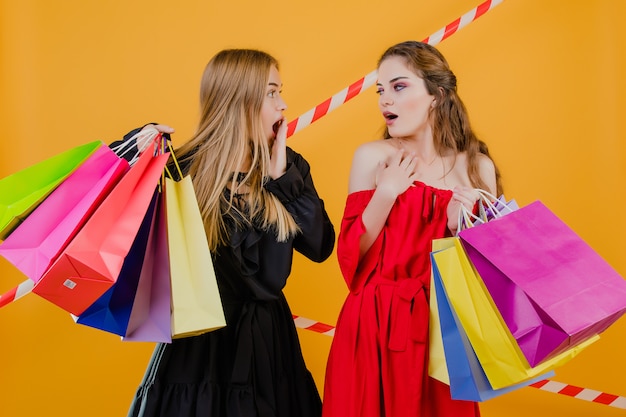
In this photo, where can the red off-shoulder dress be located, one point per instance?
(378, 363)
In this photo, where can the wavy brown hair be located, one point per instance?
(229, 134)
(451, 125)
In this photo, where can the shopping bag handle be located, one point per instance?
(141, 139)
(489, 200)
(468, 219)
(171, 150)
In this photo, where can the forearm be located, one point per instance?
(374, 218)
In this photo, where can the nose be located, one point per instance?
(282, 106)
(385, 99)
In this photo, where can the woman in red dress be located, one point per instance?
(405, 190)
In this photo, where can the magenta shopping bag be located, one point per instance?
(551, 288)
(36, 243)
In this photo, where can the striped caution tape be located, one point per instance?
(585, 394)
(313, 325)
(368, 80)
(17, 292)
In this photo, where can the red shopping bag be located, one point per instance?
(38, 241)
(92, 261)
(551, 288)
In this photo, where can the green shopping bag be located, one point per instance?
(21, 192)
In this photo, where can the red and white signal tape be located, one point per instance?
(314, 326)
(367, 81)
(585, 394)
(581, 393)
(17, 292)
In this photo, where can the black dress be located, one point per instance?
(254, 365)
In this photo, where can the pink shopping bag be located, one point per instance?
(40, 238)
(23, 191)
(552, 289)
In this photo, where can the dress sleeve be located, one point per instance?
(354, 268)
(296, 191)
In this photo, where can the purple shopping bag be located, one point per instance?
(42, 236)
(552, 289)
(150, 317)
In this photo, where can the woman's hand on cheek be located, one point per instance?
(278, 157)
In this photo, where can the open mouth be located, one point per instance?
(390, 116)
(276, 126)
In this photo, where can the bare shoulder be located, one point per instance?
(487, 171)
(364, 163)
(486, 167)
(377, 149)
(458, 175)
(485, 163)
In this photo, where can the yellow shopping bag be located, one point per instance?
(437, 367)
(196, 303)
(500, 357)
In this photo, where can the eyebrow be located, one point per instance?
(273, 84)
(393, 80)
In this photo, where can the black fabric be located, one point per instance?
(253, 366)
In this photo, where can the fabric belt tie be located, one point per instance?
(409, 313)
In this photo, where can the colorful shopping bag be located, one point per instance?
(467, 379)
(92, 261)
(36, 243)
(22, 191)
(496, 349)
(150, 316)
(437, 367)
(111, 312)
(552, 289)
(196, 303)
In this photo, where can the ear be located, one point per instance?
(441, 95)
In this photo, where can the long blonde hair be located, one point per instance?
(451, 125)
(229, 134)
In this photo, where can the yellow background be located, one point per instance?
(543, 81)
